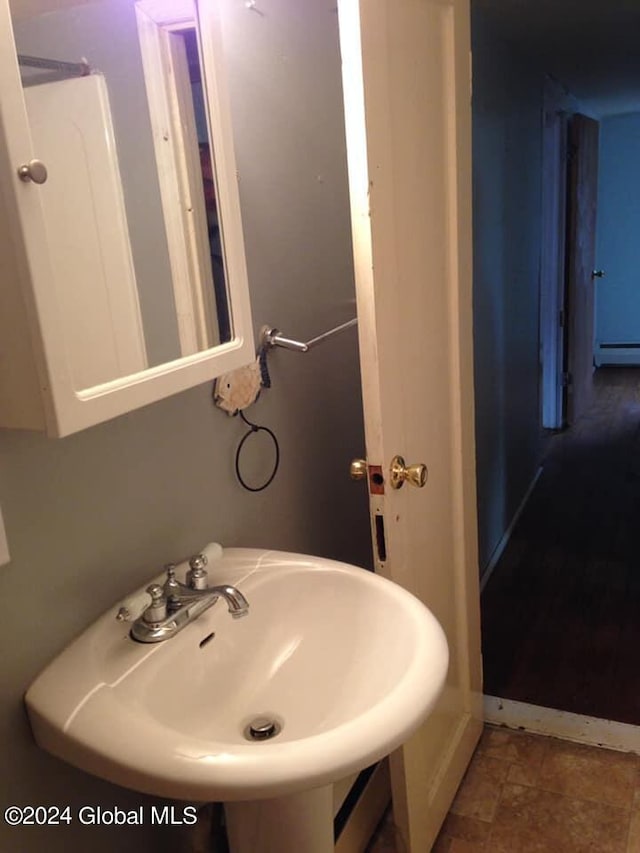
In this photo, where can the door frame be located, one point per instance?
(582, 207)
(552, 253)
(175, 139)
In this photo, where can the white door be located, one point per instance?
(406, 78)
(95, 282)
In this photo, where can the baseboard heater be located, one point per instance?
(627, 352)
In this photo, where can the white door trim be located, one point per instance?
(175, 141)
(552, 253)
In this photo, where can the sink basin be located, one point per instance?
(346, 663)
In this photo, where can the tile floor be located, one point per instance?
(525, 793)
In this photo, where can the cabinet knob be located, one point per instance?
(34, 170)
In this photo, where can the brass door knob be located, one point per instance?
(358, 469)
(416, 475)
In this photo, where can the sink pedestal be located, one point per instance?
(290, 824)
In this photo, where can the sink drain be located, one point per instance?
(262, 728)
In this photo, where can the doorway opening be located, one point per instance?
(557, 604)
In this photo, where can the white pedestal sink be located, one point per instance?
(295, 823)
(346, 664)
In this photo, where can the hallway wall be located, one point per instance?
(92, 516)
(507, 105)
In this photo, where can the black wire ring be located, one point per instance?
(255, 428)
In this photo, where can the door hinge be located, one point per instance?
(561, 319)
(567, 380)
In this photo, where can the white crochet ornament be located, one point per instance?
(238, 389)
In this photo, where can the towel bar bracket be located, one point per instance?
(273, 338)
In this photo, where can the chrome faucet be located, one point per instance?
(174, 604)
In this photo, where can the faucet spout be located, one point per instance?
(176, 605)
(237, 604)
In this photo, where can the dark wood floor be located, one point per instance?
(561, 612)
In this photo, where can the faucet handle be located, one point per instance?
(157, 610)
(197, 576)
(171, 583)
(198, 561)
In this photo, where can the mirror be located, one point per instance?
(142, 249)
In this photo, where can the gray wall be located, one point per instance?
(507, 108)
(94, 515)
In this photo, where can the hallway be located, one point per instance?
(561, 612)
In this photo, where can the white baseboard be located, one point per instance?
(502, 544)
(562, 724)
(619, 354)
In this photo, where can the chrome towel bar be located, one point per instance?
(273, 338)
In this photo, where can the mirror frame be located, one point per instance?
(63, 409)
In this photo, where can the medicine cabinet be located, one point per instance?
(122, 273)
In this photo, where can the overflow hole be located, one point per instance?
(207, 639)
